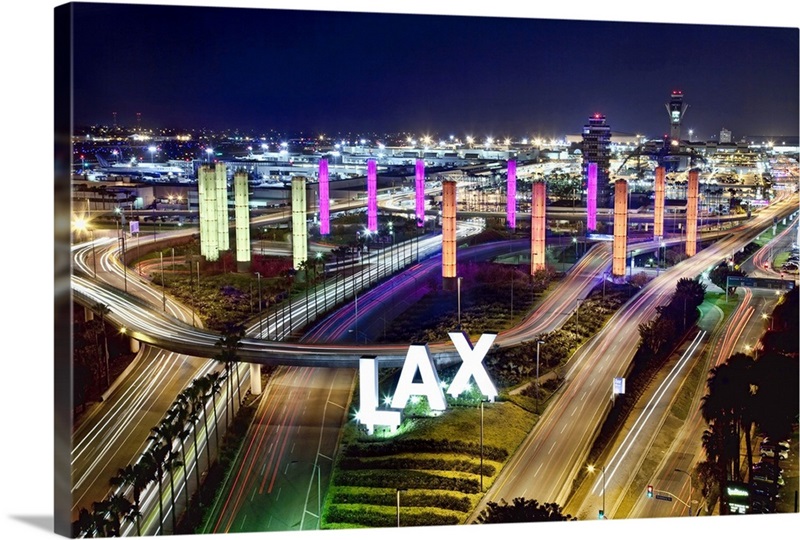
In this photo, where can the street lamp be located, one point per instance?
(398, 506)
(152, 150)
(538, 342)
(209, 151)
(260, 317)
(482, 402)
(591, 469)
(691, 489)
(771, 319)
(458, 286)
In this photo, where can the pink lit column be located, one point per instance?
(511, 195)
(372, 196)
(448, 234)
(420, 192)
(324, 199)
(620, 228)
(591, 197)
(658, 218)
(691, 214)
(538, 224)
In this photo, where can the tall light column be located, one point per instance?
(420, 192)
(511, 195)
(449, 234)
(658, 218)
(538, 227)
(620, 228)
(223, 232)
(591, 197)
(691, 214)
(372, 196)
(207, 202)
(324, 199)
(299, 232)
(241, 197)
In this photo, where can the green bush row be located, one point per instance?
(366, 518)
(436, 464)
(408, 480)
(422, 500)
(433, 446)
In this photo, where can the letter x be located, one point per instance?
(472, 365)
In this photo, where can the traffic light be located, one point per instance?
(649, 492)
(600, 514)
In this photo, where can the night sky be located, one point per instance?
(337, 72)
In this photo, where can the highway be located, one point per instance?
(545, 464)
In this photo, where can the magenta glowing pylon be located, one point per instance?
(591, 197)
(324, 199)
(420, 192)
(372, 196)
(511, 195)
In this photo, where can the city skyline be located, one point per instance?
(269, 69)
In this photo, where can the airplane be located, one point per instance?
(147, 171)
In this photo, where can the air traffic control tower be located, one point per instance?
(676, 109)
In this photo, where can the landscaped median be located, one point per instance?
(435, 463)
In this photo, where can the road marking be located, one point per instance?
(551, 448)
(584, 395)
(243, 518)
(278, 495)
(537, 470)
(336, 404)
(563, 428)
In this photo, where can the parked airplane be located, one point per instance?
(147, 171)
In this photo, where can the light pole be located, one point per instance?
(482, 402)
(577, 315)
(260, 318)
(458, 286)
(163, 288)
(538, 343)
(591, 469)
(771, 319)
(152, 150)
(398, 506)
(690, 488)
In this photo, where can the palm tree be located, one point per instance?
(118, 507)
(154, 459)
(179, 417)
(229, 344)
(203, 387)
(102, 310)
(215, 380)
(186, 401)
(137, 476)
(164, 435)
(84, 525)
(102, 521)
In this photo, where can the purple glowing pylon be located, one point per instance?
(372, 196)
(324, 199)
(591, 197)
(511, 196)
(420, 192)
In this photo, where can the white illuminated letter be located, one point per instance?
(419, 358)
(369, 415)
(472, 365)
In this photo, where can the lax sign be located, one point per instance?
(418, 359)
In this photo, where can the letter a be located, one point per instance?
(419, 358)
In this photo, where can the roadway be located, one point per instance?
(546, 463)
